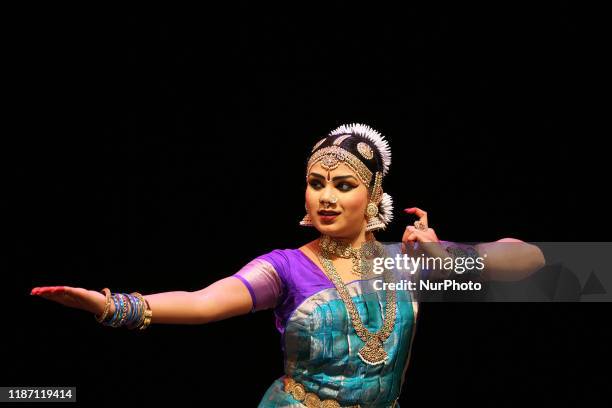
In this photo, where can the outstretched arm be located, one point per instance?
(223, 299)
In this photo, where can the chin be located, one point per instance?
(334, 231)
(328, 229)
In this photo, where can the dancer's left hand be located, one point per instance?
(420, 232)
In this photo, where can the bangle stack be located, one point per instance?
(132, 311)
(467, 252)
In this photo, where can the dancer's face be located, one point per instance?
(346, 217)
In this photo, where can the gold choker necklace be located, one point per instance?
(362, 257)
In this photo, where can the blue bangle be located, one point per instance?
(119, 304)
(113, 318)
(133, 312)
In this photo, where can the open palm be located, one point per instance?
(78, 298)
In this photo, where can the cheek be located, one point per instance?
(311, 198)
(355, 203)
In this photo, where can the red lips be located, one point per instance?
(327, 215)
(328, 212)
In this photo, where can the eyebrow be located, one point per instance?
(333, 179)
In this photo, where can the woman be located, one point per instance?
(345, 340)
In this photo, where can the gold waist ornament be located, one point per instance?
(312, 400)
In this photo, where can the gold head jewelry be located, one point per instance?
(365, 150)
(331, 157)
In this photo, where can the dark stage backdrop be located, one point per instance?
(161, 154)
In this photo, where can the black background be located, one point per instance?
(163, 153)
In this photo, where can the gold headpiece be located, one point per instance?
(330, 158)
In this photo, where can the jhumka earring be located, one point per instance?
(306, 221)
(372, 211)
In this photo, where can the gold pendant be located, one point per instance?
(373, 352)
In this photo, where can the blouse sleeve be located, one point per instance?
(263, 282)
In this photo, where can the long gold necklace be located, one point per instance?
(372, 352)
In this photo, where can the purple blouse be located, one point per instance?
(282, 279)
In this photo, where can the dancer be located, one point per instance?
(345, 342)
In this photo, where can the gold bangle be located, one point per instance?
(107, 292)
(148, 316)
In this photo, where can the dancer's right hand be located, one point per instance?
(78, 298)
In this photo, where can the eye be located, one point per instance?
(314, 183)
(345, 186)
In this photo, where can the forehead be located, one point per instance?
(341, 170)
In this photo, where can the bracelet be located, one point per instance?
(148, 316)
(126, 302)
(106, 292)
(141, 311)
(116, 319)
(466, 252)
(132, 311)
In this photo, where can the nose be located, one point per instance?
(327, 196)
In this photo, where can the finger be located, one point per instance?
(419, 213)
(48, 295)
(407, 233)
(40, 291)
(419, 235)
(409, 236)
(50, 289)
